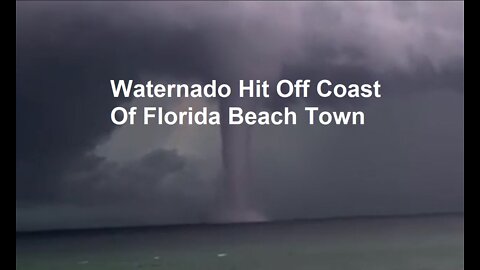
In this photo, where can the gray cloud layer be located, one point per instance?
(409, 158)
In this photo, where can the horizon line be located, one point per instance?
(220, 224)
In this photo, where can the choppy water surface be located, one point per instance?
(421, 243)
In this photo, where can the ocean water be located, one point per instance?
(420, 243)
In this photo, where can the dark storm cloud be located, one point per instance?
(68, 52)
(65, 58)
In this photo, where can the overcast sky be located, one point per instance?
(76, 169)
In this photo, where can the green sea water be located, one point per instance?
(420, 243)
